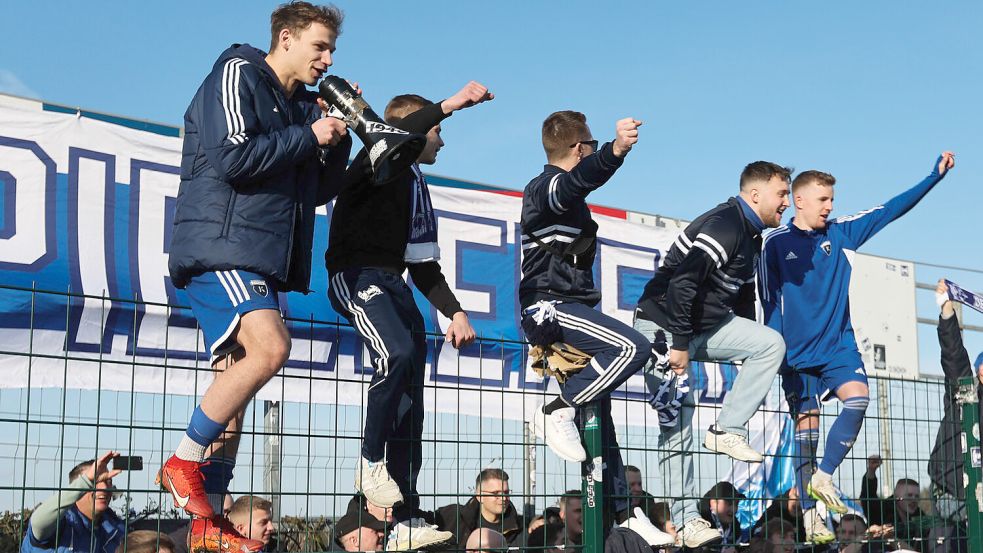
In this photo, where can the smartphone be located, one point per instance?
(125, 462)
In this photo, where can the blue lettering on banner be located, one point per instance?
(129, 262)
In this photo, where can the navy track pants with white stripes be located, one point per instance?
(618, 351)
(380, 306)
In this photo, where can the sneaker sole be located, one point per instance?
(540, 433)
(382, 504)
(822, 540)
(435, 546)
(706, 444)
(838, 509)
(711, 541)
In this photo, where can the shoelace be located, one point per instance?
(376, 470)
(192, 474)
(567, 426)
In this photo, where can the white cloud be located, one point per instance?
(11, 84)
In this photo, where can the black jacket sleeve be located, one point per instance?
(569, 188)
(871, 502)
(955, 358)
(745, 302)
(712, 247)
(428, 278)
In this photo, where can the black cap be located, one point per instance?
(355, 519)
(725, 490)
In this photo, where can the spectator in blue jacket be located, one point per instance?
(259, 157)
(804, 288)
(78, 519)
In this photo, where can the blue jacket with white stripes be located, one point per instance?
(558, 233)
(804, 279)
(251, 176)
(708, 273)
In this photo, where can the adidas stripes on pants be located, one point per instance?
(380, 306)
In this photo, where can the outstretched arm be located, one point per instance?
(862, 226)
(593, 171)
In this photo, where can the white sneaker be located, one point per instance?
(730, 444)
(373, 480)
(816, 531)
(641, 525)
(415, 534)
(560, 432)
(697, 532)
(821, 488)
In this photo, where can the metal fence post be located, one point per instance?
(593, 538)
(972, 462)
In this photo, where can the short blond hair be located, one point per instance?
(145, 541)
(297, 17)
(245, 505)
(562, 129)
(810, 177)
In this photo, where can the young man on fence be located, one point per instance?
(377, 233)
(804, 288)
(557, 293)
(258, 158)
(700, 305)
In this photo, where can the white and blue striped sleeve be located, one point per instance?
(237, 140)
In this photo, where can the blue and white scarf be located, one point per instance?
(963, 296)
(421, 244)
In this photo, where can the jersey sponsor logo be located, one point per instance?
(827, 247)
(860, 371)
(369, 293)
(791, 256)
(260, 287)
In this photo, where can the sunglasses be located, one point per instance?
(591, 143)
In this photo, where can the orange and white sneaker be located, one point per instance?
(186, 484)
(217, 535)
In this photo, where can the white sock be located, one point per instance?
(190, 450)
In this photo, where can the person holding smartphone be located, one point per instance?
(78, 518)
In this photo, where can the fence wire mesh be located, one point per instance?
(61, 406)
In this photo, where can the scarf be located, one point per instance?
(421, 243)
(963, 296)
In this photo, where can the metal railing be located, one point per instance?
(60, 405)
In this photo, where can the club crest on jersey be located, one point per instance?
(827, 247)
(260, 287)
(369, 293)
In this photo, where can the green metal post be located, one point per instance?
(593, 539)
(972, 461)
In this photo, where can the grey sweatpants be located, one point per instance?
(761, 350)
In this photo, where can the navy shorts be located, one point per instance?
(220, 298)
(806, 388)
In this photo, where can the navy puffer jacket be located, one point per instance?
(251, 176)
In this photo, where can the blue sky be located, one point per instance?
(869, 91)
